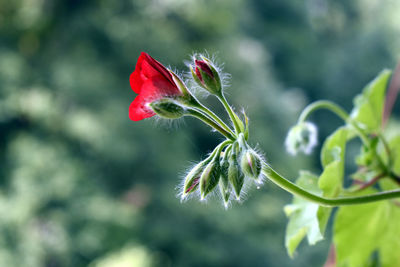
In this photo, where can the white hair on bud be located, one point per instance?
(313, 141)
(163, 123)
(219, 67)
(181, 186)
(295, 140)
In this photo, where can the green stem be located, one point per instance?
(228, 108)
(213, 116)
(336, 109)
(328, 202)
(340, 112)
(211, 123)
(323, 104)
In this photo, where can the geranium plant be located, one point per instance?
(366, 226)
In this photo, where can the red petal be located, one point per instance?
(159, 68)
(148, 68)
(151, 81)
(152, 89)
(204, 67)
(160, 86)
(135, 78)
(138, 110)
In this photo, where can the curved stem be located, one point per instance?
(211, 123)
(328, 202)
(228, 108)
(340, 112)
(336, 109)
(323, 104)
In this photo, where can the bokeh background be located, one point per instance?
(82, 185)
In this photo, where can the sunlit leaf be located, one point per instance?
(303, 215)
(368, 106)
(363, 229)
(390, 245)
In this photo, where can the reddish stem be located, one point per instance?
(331, 260)
(370, 183)
(391, 96)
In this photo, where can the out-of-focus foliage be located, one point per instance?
(81, 184)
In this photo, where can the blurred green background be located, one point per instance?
(81, 184)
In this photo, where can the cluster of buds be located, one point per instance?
(231, 166)
(301, 137)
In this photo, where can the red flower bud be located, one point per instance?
(152, 81)
(202, 65)
(206, 76)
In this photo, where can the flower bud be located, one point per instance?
(205, 74)
(251, 164)
(224, 185)
(192, 179)
(209, 177)
(167, 108)
(235, 175)
(301, 137)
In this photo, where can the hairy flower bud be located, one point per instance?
(192, 179)
(205, 74)
(235, 175)
(210, 177)
(224, 185)
(301, 137)
(167, 108)
(250, 163)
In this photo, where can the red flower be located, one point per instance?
(152, 81)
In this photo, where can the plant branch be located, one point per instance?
(328, 202)
(373, 181)
(211, 123)
(213, 116)
(336, 109)
(229, 110)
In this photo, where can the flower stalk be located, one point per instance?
(294, 189)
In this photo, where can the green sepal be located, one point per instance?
(224, 185)
(210, 177)
(235, 174)
(192, 179)
(168, 108)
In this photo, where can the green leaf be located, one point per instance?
(361, 230)
(331, 179)
(390, 245)
(394, 146)
(303, 215)
(334, 147)
(368, 106)
(306, 218)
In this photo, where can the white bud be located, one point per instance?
(301, 137)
